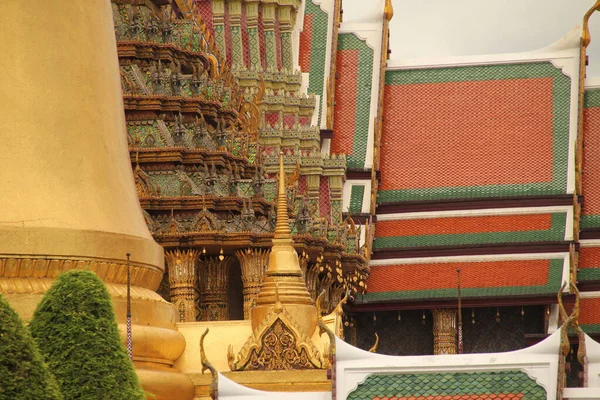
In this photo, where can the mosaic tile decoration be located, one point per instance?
(261, 38)
(470, 230)
(469, 132)
(500, 385)
(313, 48)
(590, 217)
(589, 264)
(478, 279)
(357, 194)
(228, 53)
(589, 317)
(245, 43)
(352, 99)
(205, 8)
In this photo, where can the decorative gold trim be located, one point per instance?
(276, 344)
(110, 271)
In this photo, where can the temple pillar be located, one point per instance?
(444, 331)
(237, 45)
(313, 188)
(218, 10)
(182, 282)
(268, 17)
(253, 39)
(336, 184)
(214, 282)
(253, 263)
(287, 17)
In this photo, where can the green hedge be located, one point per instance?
(23, 374)
(76, 331)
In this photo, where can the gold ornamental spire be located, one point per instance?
(284, 282)
(282, 229)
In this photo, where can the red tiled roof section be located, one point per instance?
(461, 225)
(394, 278)
(205, 9)
(467, 133)
(589, 257)
(591, 161)
(589, 312)
(345, 102)
(492, 396)
(305, 43)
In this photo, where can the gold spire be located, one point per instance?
(284, 282)
(282, 229)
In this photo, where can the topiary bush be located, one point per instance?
(23, 373)
(75, 328)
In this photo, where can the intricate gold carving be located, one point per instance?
(182, 282)
(571, 322)
(276, 344)
(110, 271)
(206, 365)
(253, 263)
(249, 113)
(444, 331)
(214, 280)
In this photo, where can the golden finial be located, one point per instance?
(585, 34)
(376, 345)
(282, 229)
(388, 10)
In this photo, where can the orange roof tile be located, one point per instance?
(461, 225)
(467, 133)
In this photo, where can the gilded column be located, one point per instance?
(214, 282)
(287, 17)
(444, 331)
(253, 263)
(253, 39)
(235, 21)
(268, 17)
(182, 282)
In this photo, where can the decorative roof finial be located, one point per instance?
(388, 10)
(282, 229)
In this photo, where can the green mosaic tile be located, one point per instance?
(237, 50)
(356, 199)
(286, 51)
(220, 38)
(590, 221)
(556, 233)
(588, 274)
(561, 111)
(270, 49)
(447, 385)
(551, 287)
(254, 45)
(592, 98)
(590, 328)
(350, 41)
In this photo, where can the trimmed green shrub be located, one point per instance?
(23, 373)
(75, 328)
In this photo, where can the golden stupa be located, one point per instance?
(68, 194)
